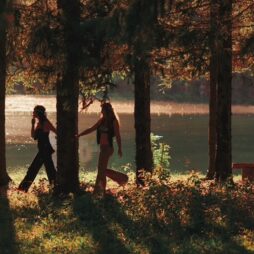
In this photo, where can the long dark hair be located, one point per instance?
(41, 113)
(109, 114)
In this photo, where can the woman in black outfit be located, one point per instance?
(40, 132)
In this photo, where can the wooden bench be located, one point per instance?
(247, 170)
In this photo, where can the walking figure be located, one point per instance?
(40, 130)
(107, 128)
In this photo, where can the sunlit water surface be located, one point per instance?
(187, 136)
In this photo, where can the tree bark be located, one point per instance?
(4, 178)
(67, 102)
(223, 151)
(213, 89)
(142, 44)
(144, 156)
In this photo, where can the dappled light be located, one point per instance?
(168, 216)
(126, 127)
(19, 104)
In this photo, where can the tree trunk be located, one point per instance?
(4, 178)
(213, 88)
(67, 102)
(144, 157)
(223, 152)
(212, 128)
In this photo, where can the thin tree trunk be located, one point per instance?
(148, 11)
(144, 157)
(212, 129)
(213, 88)
(4, 178)
(223, 152)
(67, 102)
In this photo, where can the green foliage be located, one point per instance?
(45, 41)
(160, 151)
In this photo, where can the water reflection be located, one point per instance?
(21, 148)
(187, 135)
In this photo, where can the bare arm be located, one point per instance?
(91, 129)
(118, 137)
(50, 127)
(32, 128)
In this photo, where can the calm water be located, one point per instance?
(186, 135)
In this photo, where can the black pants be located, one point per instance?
(40, 159)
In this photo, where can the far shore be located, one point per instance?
(26, 103)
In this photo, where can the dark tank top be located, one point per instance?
(108, 130)
(44, 145)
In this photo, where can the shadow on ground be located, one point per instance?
(8, 243)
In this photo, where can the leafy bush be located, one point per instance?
(160, 151)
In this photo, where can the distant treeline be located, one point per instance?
(196, 91)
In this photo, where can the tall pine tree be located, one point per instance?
(141, 31)
(4, 178)
(67, 100)
(223, 43)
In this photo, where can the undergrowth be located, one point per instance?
(169, 215)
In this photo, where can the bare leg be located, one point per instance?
(105, 153)
(116, 176)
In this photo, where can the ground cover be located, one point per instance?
(173, 214)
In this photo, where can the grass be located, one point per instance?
(173, 214)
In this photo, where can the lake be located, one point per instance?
(187, 135)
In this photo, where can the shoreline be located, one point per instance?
(26, 103)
